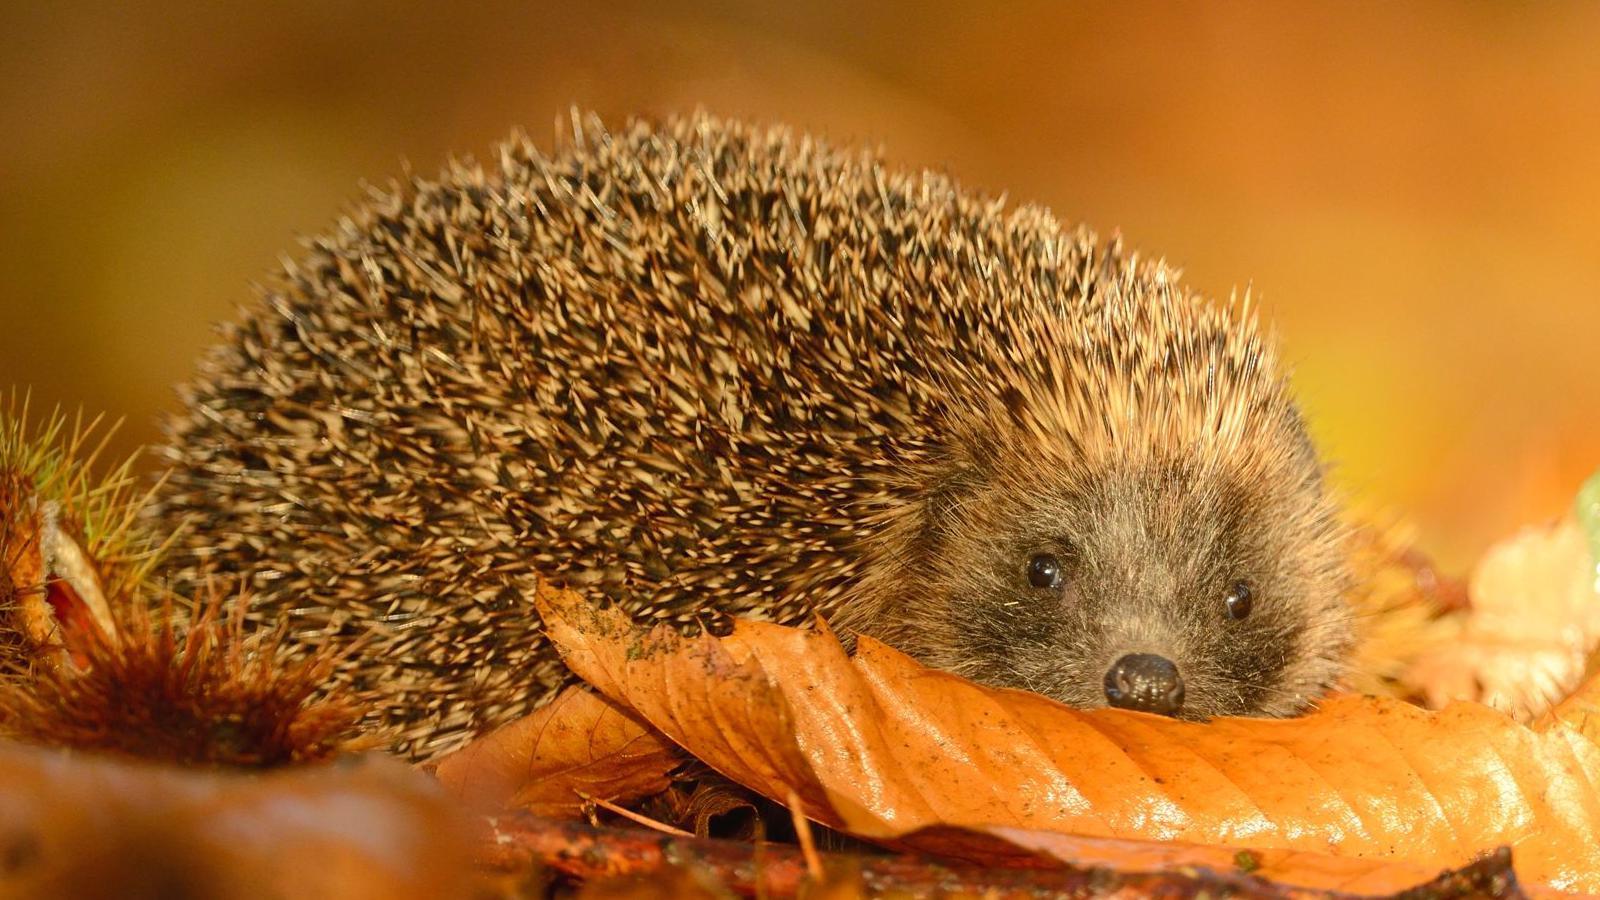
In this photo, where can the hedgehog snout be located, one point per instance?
(1145, 682)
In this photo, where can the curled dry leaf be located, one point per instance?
(1534, 623)
(75, 826)
(882, 747)
(578, 745)
(705, 804)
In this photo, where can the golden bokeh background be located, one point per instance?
(1412, 191)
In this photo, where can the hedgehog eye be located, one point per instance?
(1239, 600)
(1044, 571)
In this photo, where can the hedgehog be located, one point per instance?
(702, 368)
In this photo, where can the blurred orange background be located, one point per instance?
(1413, 191)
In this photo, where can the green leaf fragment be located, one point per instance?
(1588, 509)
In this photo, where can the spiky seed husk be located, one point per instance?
(187, 691)
(86, 663)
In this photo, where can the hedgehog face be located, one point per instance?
(1164, 586)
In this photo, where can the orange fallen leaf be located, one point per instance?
(1579, 711)
(77, 826)
(881, 746)
(578, 745)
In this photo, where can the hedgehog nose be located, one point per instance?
(1146, 682)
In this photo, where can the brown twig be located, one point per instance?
(808, 844)
(636, 818)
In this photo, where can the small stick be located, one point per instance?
(808, 844)
(636, 818)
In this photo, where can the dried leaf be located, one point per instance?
(1534, 622)
(708, 805)
(880, 746)
(75, 826)
(578, 745)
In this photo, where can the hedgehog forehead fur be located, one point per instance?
(702, 368)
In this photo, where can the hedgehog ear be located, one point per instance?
(1303, 445)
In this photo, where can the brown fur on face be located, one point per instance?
(1149, 550)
